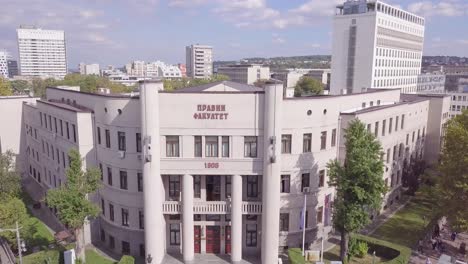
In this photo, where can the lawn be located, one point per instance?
(408, 225)
(55, 257)
(94, 257)
(334, 254)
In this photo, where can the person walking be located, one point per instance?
(454, 236)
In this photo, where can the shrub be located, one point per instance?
(357, 248)
(295, 256)
(127, 260)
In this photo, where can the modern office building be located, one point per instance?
(89, 69)
(42, 52)
(4, 57)
(199, 61)
(459, 103)
(245, 73)
(431, 83)
(220, 168)
(290, 77)
(12, 68)
(375, 45)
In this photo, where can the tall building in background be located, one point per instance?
(89, 69)
(4, 57)
(245, 73)
(375, 45)
(42, 52)
(199, 61)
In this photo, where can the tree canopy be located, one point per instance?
(452, 186)
(174, 84)
(359, 182)
(5, 87)
(10, 185)
(307, 86)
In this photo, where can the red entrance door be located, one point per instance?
(227, 240)
(197, 238)
(213, 241)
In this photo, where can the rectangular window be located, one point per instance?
(390, 126)
(108, 140)
(50, 123)
(388, 155)
(138, 142)
(211, 146)
(284, 222)
(172, 146)
(74, 132)
(68, 130)
(323, 140)
(124, 217)
(407, 139)
(63, 159)
(103, 236)
(101, 170)
(396, 123)
(121, 140)
(225, 146)
(333, 140)
(402, 121)
(307, 143)
(250, 147)
(384, 123)
(395, 152)
(142, 250)
(61, 128)
(111, 242)
(123, 180)
(99, 135)
(419, 134)
(125, 248)
(228, 186)
(400, 150)
(174, 186)
(286, 144)
(307, 219)
(109, 176)
(321, 178)
(140, 181)
(197, 186)
(252, 186)
(55, 125)
(305, 181)
(197, 146)
(40, 117)
(320, 215)
(376, 129)
(141, 220)
(58, 156)
(111, 212)
(369, 127)
(285, 183)
(251, 235)
(174, 234)
(103, 207)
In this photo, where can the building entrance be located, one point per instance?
(197, 237)
(213, 240)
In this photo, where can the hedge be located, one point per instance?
(127, 260)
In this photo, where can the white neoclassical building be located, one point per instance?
(221, 168)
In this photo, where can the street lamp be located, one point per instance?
(20, 244)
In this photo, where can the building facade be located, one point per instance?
(431, 83)
(375, 45)
(227, 171)
(89, 69)
(199, 61)
(4, 57)
(245, 73)
(42, 52)
(458, 103)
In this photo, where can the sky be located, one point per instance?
(119, 31)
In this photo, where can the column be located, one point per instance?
(153, 188)
(187, 218)
(236, 218)
(271, 171)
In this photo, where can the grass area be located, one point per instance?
(334, 254)
(38, 234)
(94, 257)
(55, 256)
(408, 225)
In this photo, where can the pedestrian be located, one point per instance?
(428, 261)
(420, 246)
(454, 235)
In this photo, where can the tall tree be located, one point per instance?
(358, 181)
(20, 86)
(308, 86)
(71, 199)
(452, 186)
(10, 185)
(5, 87)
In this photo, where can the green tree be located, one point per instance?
(452, 186)
(307, 86)
(10, 182)
(71, 200)
(175, 84)
(5, 87)
(20, 86)
(359, 183)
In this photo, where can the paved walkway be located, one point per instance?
(209, 259)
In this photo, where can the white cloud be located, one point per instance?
(449, 8)
(86, 14)
(97, 26)
(277, 39)
(463, 41)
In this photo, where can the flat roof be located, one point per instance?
(58, 104)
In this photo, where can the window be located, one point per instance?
(402, 121)
(305, 181)
(174, 186)
(140, 181)
(50, 123)
(61, 128)
(225, 147)
(103, 235)
(111, 212)
(395, 152)
(197, 186)
(252, 186)
(286, 144)
(285, 183)
(108, 141)
(125, 248)
(142, 250)
(384, 123)
(323, 140)
(307, 143)
(121, 140)
(124, 217)
(141, 220)
(228, 186)
(407, 139)
(390, 126)
(99, 135)
(138, 142)
(251, 235)
(111, 242)
(333, 139)
(376, 129)
(109, 176)
(63, 159)
(68, 130)
(55, 125)
(321, 178)
(388, 155)
(400, 151)
(197, 146)
(172, 146)
(284, 222)
(369, 127)
(396, 123)
(123, 180)
(320, 215)
(40, 117)
(250, 146)
(174, 234)
(100, 170)
(74, 132)
(211, 146)
(413, 136)
(103, 207)
(307, 219)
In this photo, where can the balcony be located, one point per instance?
(212, 207)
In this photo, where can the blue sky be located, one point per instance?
(118, 31)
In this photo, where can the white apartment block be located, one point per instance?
(199, 61)
(42, 52)
(89, 69)
(153, 69)
(245, 73)
(375, 45)
(220, 168)
(4, 58)
(431, 83)
(458, 103)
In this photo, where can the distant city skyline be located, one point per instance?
(117, 32)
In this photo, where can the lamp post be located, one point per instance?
(305, 191)
(20, 244)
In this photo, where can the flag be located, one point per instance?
(301, 224)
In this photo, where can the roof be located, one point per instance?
(221, 86)
(64, 106)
